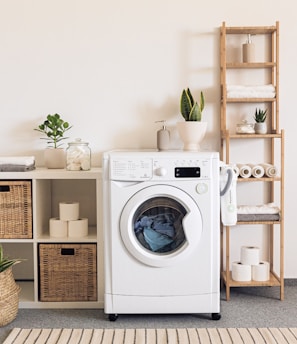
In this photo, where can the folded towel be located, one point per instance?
(250, 94)
(269, 208)
(256, 88)
(16, 168)
(17, 160)
(251, 91)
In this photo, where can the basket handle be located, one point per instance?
(4, 188)
(67, 251)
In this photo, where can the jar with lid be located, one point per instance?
(78, 156)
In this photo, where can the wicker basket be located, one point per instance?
(9, 297)
(15, 210)
(68, 272)
(9, 308)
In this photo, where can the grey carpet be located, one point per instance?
(154, 336)
(247, 308)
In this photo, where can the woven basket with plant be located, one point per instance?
(9, 290)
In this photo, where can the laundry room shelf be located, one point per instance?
(263, 70)
(273, 281)
(49, 188)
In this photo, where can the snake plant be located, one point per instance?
(260, 115)
(190, 109)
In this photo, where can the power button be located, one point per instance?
(201, 188)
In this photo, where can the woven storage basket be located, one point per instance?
(67, 272)
(7, 283)
(15, 209)
(9, 308)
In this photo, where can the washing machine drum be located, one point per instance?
(161, 225)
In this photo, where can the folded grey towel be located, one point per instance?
(16, 168)
(258, 217)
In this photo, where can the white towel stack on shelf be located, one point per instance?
(250, 267)
(17, 163)
(256, 91)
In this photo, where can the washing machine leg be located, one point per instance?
(216, 316)
(113, 317)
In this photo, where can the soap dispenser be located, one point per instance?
(248, 50)
(163, 137)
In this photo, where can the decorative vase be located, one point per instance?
(192, 133)
(54, 158)
(260, 128)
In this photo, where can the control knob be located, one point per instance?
(161, 171)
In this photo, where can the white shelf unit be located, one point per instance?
(265, 70)
(49, 187)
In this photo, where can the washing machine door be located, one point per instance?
(161, 225)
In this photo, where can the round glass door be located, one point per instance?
(160, 225)
(157, 225)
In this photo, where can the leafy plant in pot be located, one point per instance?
(54, 128)
(260, 118)
(9, 290)
(193, 129)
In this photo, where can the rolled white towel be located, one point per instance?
(245, 170)
(257, 170)
(270, 170)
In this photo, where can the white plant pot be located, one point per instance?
(260, 128)
(54, 158)
(192, 133)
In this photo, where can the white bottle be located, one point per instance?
(163, 138)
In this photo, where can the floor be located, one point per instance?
(248, 307)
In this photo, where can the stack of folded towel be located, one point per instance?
(260, 91)
(17, 163)
(263, 212)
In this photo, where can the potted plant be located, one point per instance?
(54, 128)
(9, 290)
(260, 118)
(193, 129)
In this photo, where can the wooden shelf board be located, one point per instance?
(253, 179)
(244, 65)
(272, 282)
(250, 100)
(242, 30)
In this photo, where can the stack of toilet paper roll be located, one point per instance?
(68, 223)
(250, 267)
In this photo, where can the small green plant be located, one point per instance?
(54, 128)
(6, 262)
(260, 115)
(189, 108)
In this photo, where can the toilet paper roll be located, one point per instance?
(241, 272)
(69, 211)
(250, 255)
(244, 170)
(78, 228)
(257, 171)
(57, 227)
(261, 271)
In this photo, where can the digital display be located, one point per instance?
(187, 172)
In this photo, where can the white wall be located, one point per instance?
(112, 68)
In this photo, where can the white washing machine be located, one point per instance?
(161, 232)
